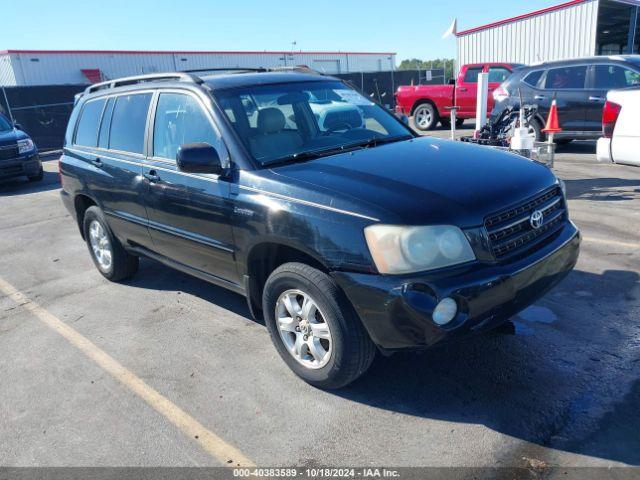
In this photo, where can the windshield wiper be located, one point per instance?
(375, 141)
(311, 154)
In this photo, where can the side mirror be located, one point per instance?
(404, 119)
(452, 81)
(198, 157)
(17, 126)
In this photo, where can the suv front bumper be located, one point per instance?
(396, 310)
(28, 165)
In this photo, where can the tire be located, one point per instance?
(425, 117)
(122, 265)
(37, 177)
(536, 128)
(348, 349)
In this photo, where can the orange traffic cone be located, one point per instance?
(553, 125)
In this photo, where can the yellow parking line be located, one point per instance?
(209, 441)
(604, 241)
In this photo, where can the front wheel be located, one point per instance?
(425, 117)
(38, 176)
(314, 328)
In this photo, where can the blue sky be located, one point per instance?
(410, 28)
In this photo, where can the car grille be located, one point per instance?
(510, 231)
(7, 152)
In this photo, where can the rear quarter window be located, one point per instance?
(128, 122)
(87, 131)
(533, 78)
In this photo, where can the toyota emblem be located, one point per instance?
(536, 219)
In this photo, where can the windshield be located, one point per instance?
(5, 125)
(289, 122)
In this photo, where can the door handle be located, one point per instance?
(463, 89)
(596, 99)
(539, 97)
(97, 162)
(152, 176)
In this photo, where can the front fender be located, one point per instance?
(336, 240)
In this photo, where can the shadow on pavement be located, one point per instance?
(21, 186)
(552, 377)
(577, 146)
(603, 189)
(155, 276)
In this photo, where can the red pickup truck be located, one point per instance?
(428, 103)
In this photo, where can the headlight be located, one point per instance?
(25, 145)
(563, 187)
(397, 249)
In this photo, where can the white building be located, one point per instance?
(577, 28)
(48, 67)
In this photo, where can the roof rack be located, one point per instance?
(293, 68)
(152, 77)
(230, 69)
(188, 76)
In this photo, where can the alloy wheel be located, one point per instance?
(303, 329)
(101, 245)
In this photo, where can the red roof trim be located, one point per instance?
(521, 17)
(169, 52)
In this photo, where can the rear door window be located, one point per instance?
(498, 74)
(471, 76)
(180, 119)
(566, 78)
(87, 132)
(128, 122)
(607, 77)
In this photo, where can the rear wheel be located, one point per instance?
(111, 259)
(425, 117)
(536, 129)
(314, 328)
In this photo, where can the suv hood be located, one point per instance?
(10, 137)
(423, 181)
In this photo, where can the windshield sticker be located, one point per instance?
(353, 97)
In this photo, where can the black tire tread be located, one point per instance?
(358, 343)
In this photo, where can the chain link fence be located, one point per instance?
(43, 111)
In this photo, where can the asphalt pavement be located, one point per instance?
(167, 370)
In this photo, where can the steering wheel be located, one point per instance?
(339, 126)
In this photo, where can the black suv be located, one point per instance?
(580, 87)
(348, 237)
(18, 154)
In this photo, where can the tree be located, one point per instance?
(438, 63)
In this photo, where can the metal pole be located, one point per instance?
(631, 37)
(393, 85)
(483, 96)
(6, 100)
